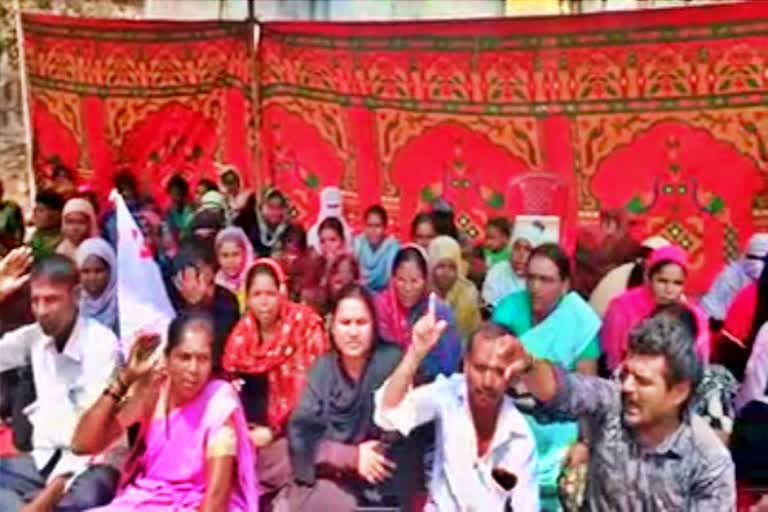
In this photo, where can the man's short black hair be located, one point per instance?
(56, 268)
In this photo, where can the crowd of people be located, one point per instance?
(323, 369)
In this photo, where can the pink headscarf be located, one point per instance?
(235, 283)
(667, 254)
(631, 307)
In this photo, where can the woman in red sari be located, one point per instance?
(271, 350)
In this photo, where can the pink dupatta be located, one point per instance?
(170, 474)
(631, 307)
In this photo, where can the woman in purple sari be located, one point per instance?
(192, 451)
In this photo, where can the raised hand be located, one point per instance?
(142, 361)
(371, 464)
(427, 330)
(520, 360)
(14, 270)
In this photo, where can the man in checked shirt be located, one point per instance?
(648, 452)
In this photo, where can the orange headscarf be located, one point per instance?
(285, 358)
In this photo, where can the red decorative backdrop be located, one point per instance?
(661, 112)
(155, 97)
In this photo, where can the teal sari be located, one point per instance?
(566, 336)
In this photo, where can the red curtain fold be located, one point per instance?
(660, 112)
(155, 97)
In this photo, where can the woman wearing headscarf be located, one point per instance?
(451, 285)
(331, 434)
(271, 350)
(666, 273)
(97, 264)
(735, 277)
(78, 222)
(398, 308)
(623, 277)
(232, 186)
(508, 277)
(265, 221)
(331, 206)
(405, 300)
(234, 253)
(375, 250)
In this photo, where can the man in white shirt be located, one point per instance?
(484, 445)
(72, 359)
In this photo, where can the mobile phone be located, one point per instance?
(504, 478)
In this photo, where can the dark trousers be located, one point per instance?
(17, 391)
(749, 444)
(21, 482)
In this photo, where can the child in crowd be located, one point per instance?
(496, 247)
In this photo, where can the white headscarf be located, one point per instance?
(536, 233)
(330, 206)
(104, 307)
(757, 247)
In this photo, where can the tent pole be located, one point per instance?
(25, 104)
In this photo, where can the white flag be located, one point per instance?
(142, 300)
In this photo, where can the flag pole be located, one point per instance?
(25, 104)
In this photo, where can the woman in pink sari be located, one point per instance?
(193, 451)
(666, 273)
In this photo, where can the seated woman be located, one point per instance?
(451, 285)
(78, 222)
(97, 263)
(423, 229)
(507, 277)
(554, 323)
(337, 453)
(264, 220)
(666, 272)
(234, 253)
(405, 301)
(398, 308)
(271, 350)
(180, 407)
(375, 250)
(624, 277)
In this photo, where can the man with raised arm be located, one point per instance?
(647, 451)
(485, 456)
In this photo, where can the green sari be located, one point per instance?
(567, 335)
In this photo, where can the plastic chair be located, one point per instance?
(538, 193)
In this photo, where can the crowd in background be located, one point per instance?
(312, 367)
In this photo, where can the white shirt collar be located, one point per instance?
(72, 348)
(510, 423)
